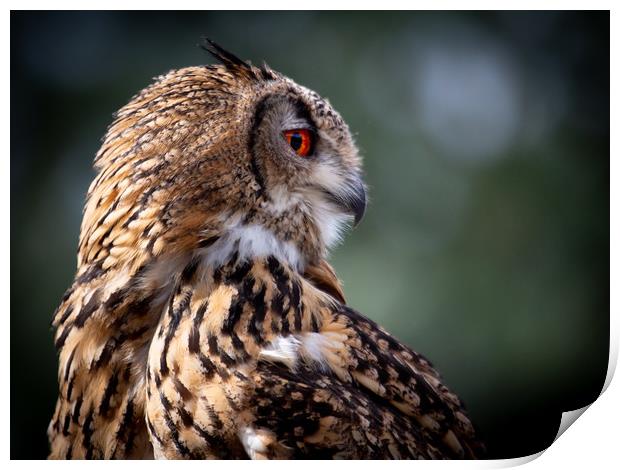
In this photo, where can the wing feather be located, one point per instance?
(272, 367)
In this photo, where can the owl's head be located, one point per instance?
(222, 159)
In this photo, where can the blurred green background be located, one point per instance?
(486, 145)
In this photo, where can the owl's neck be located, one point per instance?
(247, 241)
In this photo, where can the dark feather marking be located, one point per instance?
(152, 431)
(234, 314)
(187, 418)
(240, 272)
(213, 441)
(241, 353)
(87, 433)
(193, 342)
(134, 335)
(296, 304)
(226, 359)
(217, 275)
(111, 209)
(132, 217)
(70, 388)
(116, 298)
(190, 269)
(150, 245)
(194, 335)
(67, 294)
(109, 392)
(215, 350)
(76, 410)
(106, 354)
(234, 258)
(174, 433)
(279, 276)
(164, 401)
(163, 364)
(213, 347)
(68, 365)
(207, 365)
(60, 342)
(259, 114)
(137, 308)
(247, 288)
(315, 325)
(208, 242)
(104, 237)
(277, 303)
(182, 307)
(88, 309)
(256, 320)
(285, 325)
(182, 389)
(65, 427)
(65, 315)
(126, 425)
(55, 320)
(217, 423)
(175, 315)
(91, 273)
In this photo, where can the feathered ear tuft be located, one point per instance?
(234, 63)
(226, 58)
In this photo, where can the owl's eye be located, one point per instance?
(300, 140)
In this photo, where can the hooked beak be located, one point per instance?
(352, 200)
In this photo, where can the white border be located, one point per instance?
(592, 442)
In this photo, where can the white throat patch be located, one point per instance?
(252, 241)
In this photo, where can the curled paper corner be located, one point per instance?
(568, 418)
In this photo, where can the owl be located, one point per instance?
(204, 320)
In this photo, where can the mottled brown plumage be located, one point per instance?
(204, 320)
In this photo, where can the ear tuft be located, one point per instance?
(226, 58)
(234, 64)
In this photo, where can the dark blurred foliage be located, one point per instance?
(486, 145)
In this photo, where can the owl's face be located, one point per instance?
(223, 159)
(307, 163)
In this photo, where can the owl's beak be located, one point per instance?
(357, 202)
(353, 199)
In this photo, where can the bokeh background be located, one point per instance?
(486, 146)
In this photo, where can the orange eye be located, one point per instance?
(300, 140)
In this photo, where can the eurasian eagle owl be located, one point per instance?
(204, 320)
